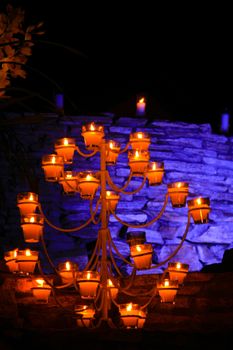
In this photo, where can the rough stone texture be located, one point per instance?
(190, 153)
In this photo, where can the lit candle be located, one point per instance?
(113, 291)
(65, 148)
(199, 209)
(130, 314)
(88, 282)
(155, 172)
(88, 184)
(178, 192)
(10, 258)
(27, 202)
(27, 260)
(68, 271)
(112, 200)
(32, 226)
(177, 271)
(167, 290)
(139, 140)
(41, 290)
(141, 107)
(69, 182)
(85, 315)
(141, 255)
(112, 152)
(52, 165)
(138, 161)
(93, 135)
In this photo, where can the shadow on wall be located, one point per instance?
(225, 266)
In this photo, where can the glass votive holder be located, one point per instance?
(68, 271)
(52, 165)
(93, 134)
(32, 226)
(41, 290)
(167, 290)
(112, 200)
(112, 151)
(88, 282)
(138, 161)
(27, 260)
(10, 259)
(84, 315)
(177, 271)
(27, 202)
(178, 192)
(69, 182)
(130, 314)
(88, 183)
(141, 255)
(112, 289)
(65, 147)
(139, 140)
(155, 172)
(199, 209)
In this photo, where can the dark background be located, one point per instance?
(179, 56)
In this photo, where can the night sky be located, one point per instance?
(179, 56)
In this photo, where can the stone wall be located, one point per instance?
(190, 153)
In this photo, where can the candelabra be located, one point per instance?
(99, 283)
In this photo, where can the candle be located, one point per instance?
(138, 161)
(199, 209)
(88, 183)
(32, 226)
(112, 200)
(178, 192)
(85, 315)
(177, 271)
(69, 182)
(167, 290)
(155, 172)
(112, 152)
(136, 237)
(93, 135)
(10, 258)
(27, 260)
(52, 165)
(139, 140)
(130, 314)
(141, 107)
(88, 282)
(142, 255)
(67, 271)
(65, 148)
(113, 291)
(27, 202)
(41, 290)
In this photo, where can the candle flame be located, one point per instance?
(92, 127)
(68, 266)
(129, 307)
(65, 142)
(28, 252)
(179, 184)
(15, 253)
(32, 219)
(53, 160)
(136, 154)
(178, 266)
(198, 201)
(138, 248)
(68, 176)
(142, 100)
(88, 177)
(88, 275)
(111, 145)
(31, 197)
(40, 282)
(166, 283)
(140, 135)
(154, 166)
(110, 284)
(108, 193)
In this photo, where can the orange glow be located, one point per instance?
(53, 160)
(32, 220)
(179, 184)
(88, 276)
(40, 282)
(140, 135)
(136, 154)
(31, 197)
(68, 267)
(129, 307)
(110, 284)
(15, 253)
(142, 100)
(154, 166)
(88, 177)
(108, 193)
(138, 248)
(198, 201)
(28, 252)
(68, 176)
(166, 283)
(92, 127)
(178, 265)
(111, 145)
(65, 142)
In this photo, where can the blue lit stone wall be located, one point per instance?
(190, 153)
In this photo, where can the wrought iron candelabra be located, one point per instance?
(100, 282)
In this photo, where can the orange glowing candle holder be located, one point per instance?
(69, 182)
(138, 161)
(27, 260)
(88, 183)
(141, 255)
(112, 289)
(65, 147)
(32, 226)
(93, 135)
(112, 200)
(139, 140)
(68, 271)
(167, 290)
(52, 165)
(88, 282)
(10, 259)
(27, 202)
(130, 314)
(85, 315)
(178, 192)
(112, 152)
(177, 271)
(141, 107)
(155, 172)
(41, 290)
(23, 285)
(199, 209)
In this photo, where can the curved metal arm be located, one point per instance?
(95, 255)
(68, 229)
(47, 254)
(95, 221)
(147, 223)
(112, 244)
(121, 190)
(86, 155)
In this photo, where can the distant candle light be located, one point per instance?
(141, 107)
